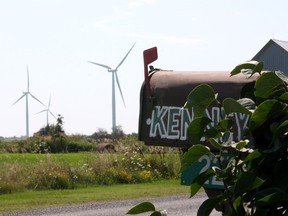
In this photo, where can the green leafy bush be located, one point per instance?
(255, 173)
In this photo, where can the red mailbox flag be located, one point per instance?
(149, 55)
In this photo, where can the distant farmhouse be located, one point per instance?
(274, 55)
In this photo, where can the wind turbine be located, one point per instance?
(26, 94)
(47, 110)
(114, 76)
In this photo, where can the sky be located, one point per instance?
(55, 39)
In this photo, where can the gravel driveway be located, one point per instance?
(174, 205)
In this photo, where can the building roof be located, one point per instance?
(283, 44)
(280, 43)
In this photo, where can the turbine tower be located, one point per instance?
(114, 76)
(26, 94)
(47, 110)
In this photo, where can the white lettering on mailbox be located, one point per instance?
(171, 122)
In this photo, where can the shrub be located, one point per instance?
(50, 175)
(255, 174)
(79, 144)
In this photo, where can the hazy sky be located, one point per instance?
(56, 38)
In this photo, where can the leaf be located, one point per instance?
(214, 132)
(240, 145)
(269, 196)
(264, 111)
(196, 129)
(158, 213)
(248, 67)
(282, 76)
(280, 173)
(230, 105)
(199, 181)
(227, 139)
(200, 98)
(238, 206)
(247, 90)
(284, 97)
(217, 131)
(245, 65)
(193, 155)
(225, 124)
(219, 172)
(208, 205)
(273, 148)
(141, 208)
(253, 159)
(268, 86)
(247, 181)
(258, 68)
(281, 130)
(215, 144)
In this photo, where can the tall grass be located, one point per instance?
(20, 172)
(22, 166)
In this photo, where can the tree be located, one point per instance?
(117, 133)
(100, 134)
(53, 130)
(57, 130)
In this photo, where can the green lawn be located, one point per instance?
(40, 199)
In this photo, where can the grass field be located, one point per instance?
(31, 176)
(28, 171)
(30, 180)
(21, 201)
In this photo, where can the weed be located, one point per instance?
(133, 162)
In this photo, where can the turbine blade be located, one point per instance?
(36, 98)
(49, 101)
(125, 57)
(27, 79)
(41, 111)
(51, 113)
(101, 65)
(118, 84)
(19, 99)
(48, 109)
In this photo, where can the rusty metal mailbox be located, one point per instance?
(162, 120)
